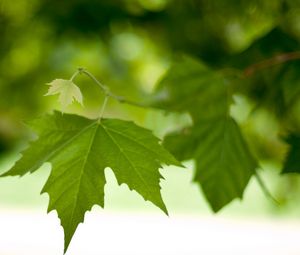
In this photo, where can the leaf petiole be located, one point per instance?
(74, 75)
(103, 108)
(264, 188)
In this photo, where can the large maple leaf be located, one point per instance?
(79, 150)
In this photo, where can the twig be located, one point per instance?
(279, 59)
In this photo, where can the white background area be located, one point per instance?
(35, 232)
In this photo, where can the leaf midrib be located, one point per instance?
(91, 143)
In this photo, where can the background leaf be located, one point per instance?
(292, 162)
(224, 163)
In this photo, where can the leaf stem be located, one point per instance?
(264, 188)
(103, 108)
(74, 75)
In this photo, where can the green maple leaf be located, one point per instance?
(292, 162)
(67, 90)
(79, 150)
(224, 163)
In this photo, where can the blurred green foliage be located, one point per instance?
(129, 44)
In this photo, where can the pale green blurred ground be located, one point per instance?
(180, 195)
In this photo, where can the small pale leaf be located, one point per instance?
(68, 92)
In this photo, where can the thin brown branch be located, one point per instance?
(279, 59)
